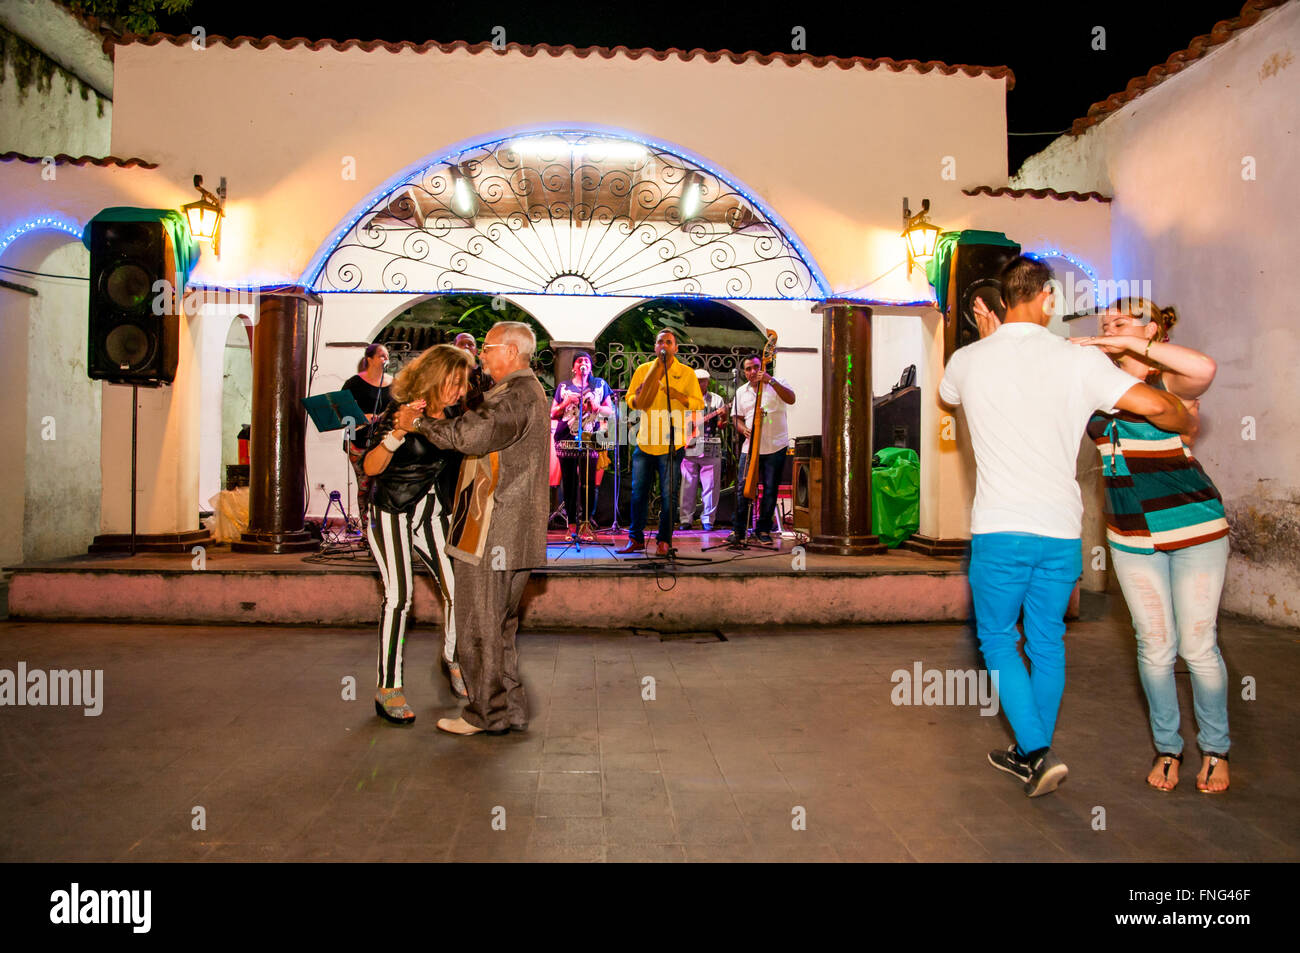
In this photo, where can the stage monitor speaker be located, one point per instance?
(128, 342)
(973, 273)
(896, 419)
(806, 485)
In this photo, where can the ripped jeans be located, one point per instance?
(1174, 600)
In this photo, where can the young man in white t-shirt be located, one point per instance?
(774, 445)
(1028, 395)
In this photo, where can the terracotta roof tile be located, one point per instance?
(1223, 31)
(64, 159)
(1038, 193)
(789, 59)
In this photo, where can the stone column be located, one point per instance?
(277, 454)
(846, 431)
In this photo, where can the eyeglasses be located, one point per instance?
(486, 346)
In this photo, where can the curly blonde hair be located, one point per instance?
(428, 373)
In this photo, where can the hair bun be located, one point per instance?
(1168, 317)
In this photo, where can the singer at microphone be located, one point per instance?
(664, 390)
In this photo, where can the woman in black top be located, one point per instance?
(410, 509)
(370, 386)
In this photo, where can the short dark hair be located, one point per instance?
(751, 357)
(1023, 279)
(663, 331)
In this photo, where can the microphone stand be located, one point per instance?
(674, 475)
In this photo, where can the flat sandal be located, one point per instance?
(1169, 757)
(1215, 757)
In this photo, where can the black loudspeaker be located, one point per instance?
(896, 419)
(973, 272)
(806, 485)
(128, 342)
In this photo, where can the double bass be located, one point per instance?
(750, 488)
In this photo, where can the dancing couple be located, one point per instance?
(465, 489)
(1029, 396)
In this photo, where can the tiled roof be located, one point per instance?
(64, 159)
(1038, 193)
(1223, 31)
(789, 59)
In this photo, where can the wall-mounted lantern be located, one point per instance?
(206, 214)
(921, 236)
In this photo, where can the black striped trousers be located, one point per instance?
(392, 538)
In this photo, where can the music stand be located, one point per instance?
(338, 410)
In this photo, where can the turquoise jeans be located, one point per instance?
(1011, 572)
(1174, 600)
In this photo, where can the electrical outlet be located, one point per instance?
(321, 487)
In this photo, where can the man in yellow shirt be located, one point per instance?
(664, 410)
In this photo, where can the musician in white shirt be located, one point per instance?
(702, 465)
(774, 443)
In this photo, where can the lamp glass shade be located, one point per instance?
(203, 218)
(921, 240)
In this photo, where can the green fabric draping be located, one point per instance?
(895, 495)
(185, 248)
(937, 269)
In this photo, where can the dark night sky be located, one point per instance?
(1048, 45)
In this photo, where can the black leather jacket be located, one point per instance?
(414, 469)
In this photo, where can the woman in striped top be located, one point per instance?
(1168, 540)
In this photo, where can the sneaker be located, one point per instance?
(734, 538)
(708, 527)
(1048, 773)
(1012, 762)
(764, 537)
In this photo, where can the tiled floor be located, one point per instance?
(772, 745)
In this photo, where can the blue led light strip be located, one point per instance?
(38, 224)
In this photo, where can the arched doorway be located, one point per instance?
(572, 226)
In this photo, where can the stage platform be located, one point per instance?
(587, 588)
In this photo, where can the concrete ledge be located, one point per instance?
(688, 601)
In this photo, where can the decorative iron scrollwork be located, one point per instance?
(568, 213)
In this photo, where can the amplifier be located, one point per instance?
(806, 485)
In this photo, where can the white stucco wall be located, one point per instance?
(55, 111)
(51, 491)
(832, 150)
(1219, 244)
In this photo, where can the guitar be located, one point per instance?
(591, 420)
(756, 422)
(696, 424)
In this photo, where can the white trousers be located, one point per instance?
(701, 472)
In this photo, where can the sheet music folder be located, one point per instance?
(334, 411)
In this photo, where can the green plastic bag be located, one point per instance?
(896, 495)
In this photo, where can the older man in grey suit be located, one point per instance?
(499, 524)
